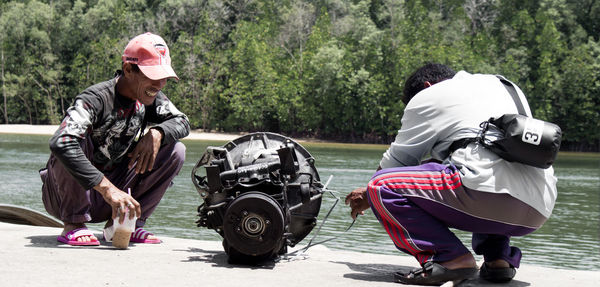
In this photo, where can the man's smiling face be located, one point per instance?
(143, 88)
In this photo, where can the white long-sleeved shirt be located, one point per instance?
(453, 109)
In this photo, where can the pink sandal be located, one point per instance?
(141, 236)
(72, 236)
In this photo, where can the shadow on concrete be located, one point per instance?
(373, 272)
(385, 273)
(49, 241)
(43, 241)
(477, 282)
(220, 259)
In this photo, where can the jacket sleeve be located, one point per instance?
(174, 124)
(414, 141)
(66, 142)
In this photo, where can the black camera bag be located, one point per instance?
(525, 139)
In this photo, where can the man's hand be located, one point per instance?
(119, 201)
(145, 151)
(358, 201)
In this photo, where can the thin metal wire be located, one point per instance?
(310, 243)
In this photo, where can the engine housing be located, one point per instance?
(261, 193)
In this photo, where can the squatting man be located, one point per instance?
(469, 188)
(96, 156)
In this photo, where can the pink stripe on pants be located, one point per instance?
(418, 204)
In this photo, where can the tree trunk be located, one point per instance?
(62, 100)
(50, 111)
(28, 108)
(3, 88)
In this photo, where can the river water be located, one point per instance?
(569, 239)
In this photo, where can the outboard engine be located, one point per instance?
(261, 193)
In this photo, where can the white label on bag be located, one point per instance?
(532, 132)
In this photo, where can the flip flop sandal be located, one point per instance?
(497, 275)
(141, 236)
(434, 274)
(72, 236)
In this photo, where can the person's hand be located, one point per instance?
(357, 199)
(119, 201)
(145, 151)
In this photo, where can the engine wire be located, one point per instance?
(292, 255)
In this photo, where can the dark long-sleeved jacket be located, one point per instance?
(112, 121)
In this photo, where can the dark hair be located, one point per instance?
(134, 67)
(430, 72)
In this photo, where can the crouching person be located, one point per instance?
(97, 155)
(466, 187)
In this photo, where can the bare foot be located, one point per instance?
(72, 226)
(151, 237)
(464, 261)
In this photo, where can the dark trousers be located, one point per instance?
(417, 205)
(68, 201)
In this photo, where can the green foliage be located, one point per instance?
(332, 69)
(576, 107)
(252, 93)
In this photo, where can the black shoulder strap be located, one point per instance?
(461, 143)
(513, 92)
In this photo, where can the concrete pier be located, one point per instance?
(31, 256)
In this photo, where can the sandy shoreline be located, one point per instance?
(50, 129)
(194, 135)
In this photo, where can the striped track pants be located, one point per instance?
(417, 205)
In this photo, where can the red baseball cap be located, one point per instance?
(151, 54)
